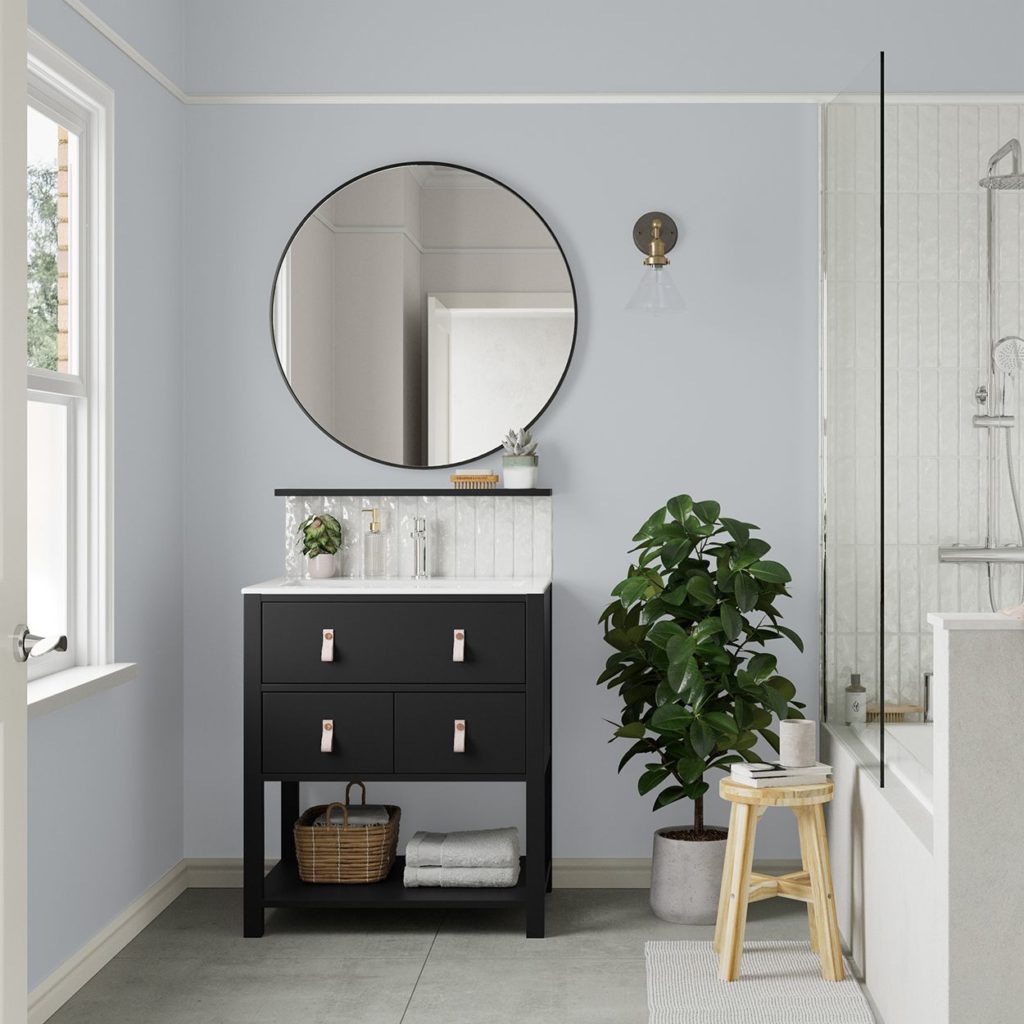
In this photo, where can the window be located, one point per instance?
(68, 359)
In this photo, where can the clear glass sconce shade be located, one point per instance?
(657, 293)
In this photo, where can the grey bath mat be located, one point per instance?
(779, 983)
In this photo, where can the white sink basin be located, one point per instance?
(433, 585)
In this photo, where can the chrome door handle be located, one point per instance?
(28, 645)
(459, 744)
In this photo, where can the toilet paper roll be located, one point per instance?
(798, 743)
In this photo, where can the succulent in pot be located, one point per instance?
(519, 463)
(320, 536)
(697, 688)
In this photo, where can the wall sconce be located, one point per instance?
(655, 234)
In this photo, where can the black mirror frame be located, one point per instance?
(422, 163)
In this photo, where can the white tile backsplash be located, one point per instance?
(936, 323)
(497, 535)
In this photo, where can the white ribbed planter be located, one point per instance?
(686, 878)
(321, 567)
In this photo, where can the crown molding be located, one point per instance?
(399, 99)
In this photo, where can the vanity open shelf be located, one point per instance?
(283, 888)
(393, 686)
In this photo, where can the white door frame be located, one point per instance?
(13, 695)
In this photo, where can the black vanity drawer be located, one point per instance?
(495, 732)
(394, 641)
(363, 733)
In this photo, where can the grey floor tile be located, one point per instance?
(595, 923)
(207, 923)
(533, 991)
(191, 965)
(277, 991)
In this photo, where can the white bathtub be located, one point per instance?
(909, 755)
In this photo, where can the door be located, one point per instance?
(13, 858)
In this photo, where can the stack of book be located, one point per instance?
(764, 776)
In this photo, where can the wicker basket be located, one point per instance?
(347, 854)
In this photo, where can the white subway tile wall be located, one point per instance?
(498, 536)
(936, 326)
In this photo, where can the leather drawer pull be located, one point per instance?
(327, 736)
(327, 650)
(460, 736)
(459, 645)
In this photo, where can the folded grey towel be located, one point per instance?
(483, 848)
(361, 814)
(461, 878)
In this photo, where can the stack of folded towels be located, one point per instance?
(487, 858)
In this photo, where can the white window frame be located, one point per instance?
(65, 91)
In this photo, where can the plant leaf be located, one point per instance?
(707, 510)
(746, 592)
(702, 736)
(668, 796)
(740, 532)
(721, 722)
(661, 632)
(671, 718)
(787, 632)
(771, 572)
(732, 621)
(633, 730)
(651, 778)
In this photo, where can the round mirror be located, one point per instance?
(420, 311)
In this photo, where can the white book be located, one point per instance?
(777, 781)
(755, 770)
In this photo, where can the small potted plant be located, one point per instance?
(320, 536)
(688, 628)
(519, 463)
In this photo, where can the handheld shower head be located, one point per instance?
(1008, 355)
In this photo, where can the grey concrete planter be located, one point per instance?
(686, 878)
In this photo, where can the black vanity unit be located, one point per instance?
(394, 693)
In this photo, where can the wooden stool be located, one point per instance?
(812, 885)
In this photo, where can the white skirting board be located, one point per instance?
(52, 993)
(226, 873)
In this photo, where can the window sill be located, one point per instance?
(59, 689)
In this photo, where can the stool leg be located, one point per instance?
(739, 892)
(723, 897)
(814, 847)
(812, 921)
(831, 945)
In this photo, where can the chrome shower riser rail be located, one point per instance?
(982, 555)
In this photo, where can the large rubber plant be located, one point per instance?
(689, 626)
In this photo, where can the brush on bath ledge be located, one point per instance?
(473, 481)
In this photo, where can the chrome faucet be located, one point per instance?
(419, 536)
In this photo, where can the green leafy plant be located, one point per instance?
(519, 442)
(320, 535)
(688, 626)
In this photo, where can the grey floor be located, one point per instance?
(191, 965)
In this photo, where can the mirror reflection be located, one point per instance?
(422, 310)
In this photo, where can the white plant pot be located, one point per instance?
(321, 567)
(686, 878)
(519, 472)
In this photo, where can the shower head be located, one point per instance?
(1008, 355)
(1003, 182)
(1012, 182)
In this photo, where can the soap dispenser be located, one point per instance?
(373, 546)
(856, 702)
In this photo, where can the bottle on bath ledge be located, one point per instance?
(856, 702)
(373, 546)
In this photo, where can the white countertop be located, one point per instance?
(435, 585)
(973, 620)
